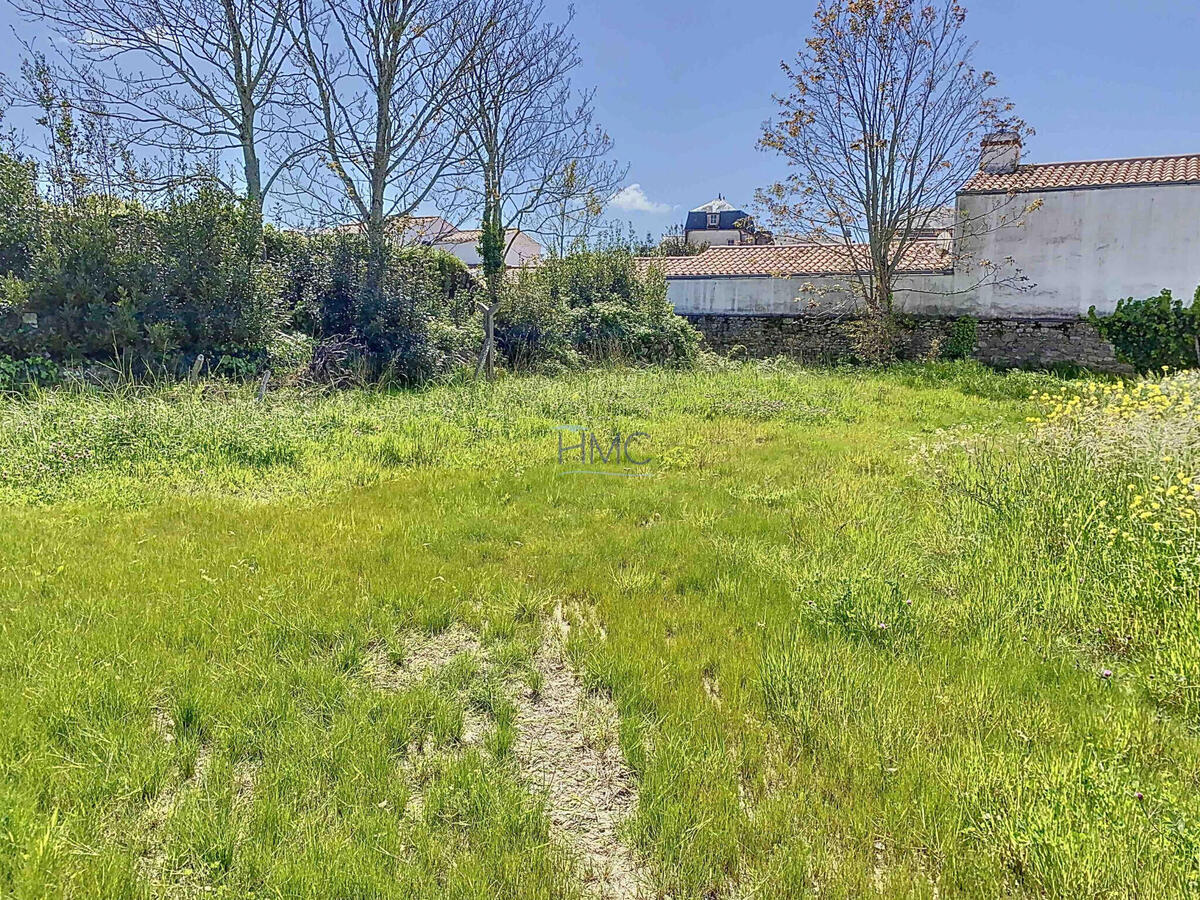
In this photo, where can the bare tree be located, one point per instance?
(184, 75)
(534, 150)
(575, 217)
(383, 76)
(882, 126)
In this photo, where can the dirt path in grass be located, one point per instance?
(567, 746)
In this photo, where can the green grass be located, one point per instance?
(832, 676)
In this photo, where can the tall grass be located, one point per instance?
(837, 673)
(1104, 493)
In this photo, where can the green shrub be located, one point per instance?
(20, 207)
(420, 324)
(960, 342)
(289, 351)
(152, 289)
(218, 297)
(19, 374)
(95, 286)
(99, 279)
(1155, 332)
(592, 305)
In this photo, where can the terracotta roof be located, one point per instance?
(1094, 173)
(807, 259)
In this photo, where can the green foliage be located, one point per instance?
(289, 352)
(960, 342)
(17, 375)
(218, 297)
(153, 289)
(419, 325)
(1106, 489)
(491, 245)
(93, 278)
(1155, 332)
(20, 206)
(592, 306)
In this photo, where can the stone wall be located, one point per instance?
(1005, 343)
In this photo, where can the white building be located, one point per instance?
(522, 249)
(1102, 230)
(719, 223)
(436, 232)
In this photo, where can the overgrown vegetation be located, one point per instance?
(840, 666)
(591, 306)
(1106, 487)
(1153, 333)
(964, 334)
(149, 290)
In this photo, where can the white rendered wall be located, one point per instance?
(1083, 247)
(795, 295)
(522, 251)
(714, 237)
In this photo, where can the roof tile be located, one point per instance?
(1095, 173)
(804, 259)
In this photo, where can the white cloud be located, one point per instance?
(633, 199)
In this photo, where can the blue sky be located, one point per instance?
(683, 87)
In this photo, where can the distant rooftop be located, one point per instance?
(728, 216)
(715, 206)
(1096, 173)
(924, 257)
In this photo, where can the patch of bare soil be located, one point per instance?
(426, 653)
(567, 746)
(152, 864)
(423, 655)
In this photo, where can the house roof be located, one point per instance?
(807, 259)
(467, 236)
(698, 221)
(1089, 174)
(472, 235)
(715, 206)
(729, 215)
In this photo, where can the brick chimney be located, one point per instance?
(1001, 153)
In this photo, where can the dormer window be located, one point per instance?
(714, 220)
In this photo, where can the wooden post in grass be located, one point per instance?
(262, 385)
(196, 367)
(487, 354)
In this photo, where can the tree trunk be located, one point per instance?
(254, 193)
(491, 252)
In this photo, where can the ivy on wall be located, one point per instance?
(1155, 332)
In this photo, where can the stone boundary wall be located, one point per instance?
(1004, 343)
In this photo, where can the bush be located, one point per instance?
(1155, 332)
(114, 281)
(594, 306)
(20, 206)
(218, 297)
(100, 279)
(94, 287)
(19, 374)
(419, 325)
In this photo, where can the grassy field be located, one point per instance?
(856, 634)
